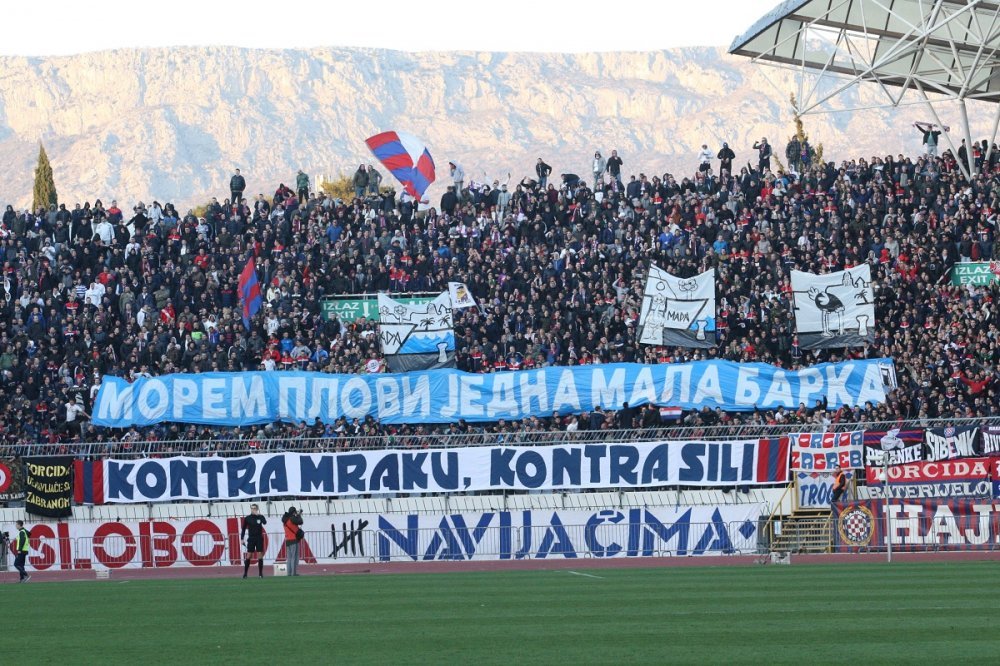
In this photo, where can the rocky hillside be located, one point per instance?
(171, 124)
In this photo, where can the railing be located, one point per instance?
(371, 545)
(231, 447)
(769, 523)
(800, 534)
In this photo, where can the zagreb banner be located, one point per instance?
(823, 451)
(363, 537)
(447, 395)
(917, 525)
(481, 468)
(967, 477)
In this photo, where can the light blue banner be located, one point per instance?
(445, 396)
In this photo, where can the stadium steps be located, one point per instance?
(805, 531)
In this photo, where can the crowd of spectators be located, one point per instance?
(557, 265)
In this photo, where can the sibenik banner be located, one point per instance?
(447, 396)
(483, 468)
(951, 442)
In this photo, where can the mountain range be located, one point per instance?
(171, 124)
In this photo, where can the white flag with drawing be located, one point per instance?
(835, 309)
(416, 336)
(461, 297)
(678, 312)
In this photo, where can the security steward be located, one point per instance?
(839, 485)
(21, 546)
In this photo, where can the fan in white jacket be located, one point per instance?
(705, 158)
(105, 231)
(457, 177)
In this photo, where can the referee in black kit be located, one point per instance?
(252, 535)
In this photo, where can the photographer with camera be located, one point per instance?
(292, 520)
(4, 547)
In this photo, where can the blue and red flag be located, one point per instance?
(88, 482)
(249, 290)
(772, 460)
(407, 158)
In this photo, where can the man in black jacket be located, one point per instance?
(764, 153)
(252, 535)
(543, 171)
(615, 166)
(449, 201)
(726, 157)
(236, 186)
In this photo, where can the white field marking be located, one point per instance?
(578, 573)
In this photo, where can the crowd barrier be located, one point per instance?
(369, 545)
(226, 446)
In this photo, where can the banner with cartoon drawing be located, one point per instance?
(835, 309)
(417, 336)
(678, 312)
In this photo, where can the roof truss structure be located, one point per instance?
(948, 49)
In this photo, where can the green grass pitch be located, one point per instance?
(928, 613)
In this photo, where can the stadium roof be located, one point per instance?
(934, 46)
(946, 48)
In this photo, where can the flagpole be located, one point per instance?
(888, 511)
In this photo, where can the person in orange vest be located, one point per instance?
(839, 484)
(292, 520)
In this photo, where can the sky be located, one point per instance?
(408, 25)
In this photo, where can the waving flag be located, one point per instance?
(249, 290)
(461, 297)
(407, 158)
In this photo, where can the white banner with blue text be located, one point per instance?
(482, 468)
(415, 537)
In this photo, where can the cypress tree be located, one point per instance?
(44, 193)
